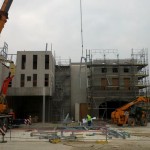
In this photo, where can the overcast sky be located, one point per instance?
(107, 24)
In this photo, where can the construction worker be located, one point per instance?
(89, 119)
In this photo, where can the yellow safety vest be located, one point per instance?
(88, 118)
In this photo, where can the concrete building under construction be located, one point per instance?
(113, 82)
(50, 88)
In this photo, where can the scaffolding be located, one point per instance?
(61, 101)
(4, 50)
(115, 79)
(4, 53)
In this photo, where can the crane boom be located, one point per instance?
(6, 5)
(4, 13)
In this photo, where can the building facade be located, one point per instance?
(113, 82)
(33, 85)
(50, 90)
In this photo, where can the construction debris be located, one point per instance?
(80, 133)
(117, 133)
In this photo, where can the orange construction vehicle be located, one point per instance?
(131, 113)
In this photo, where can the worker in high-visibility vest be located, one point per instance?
(89, 119)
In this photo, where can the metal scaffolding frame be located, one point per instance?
(62, 94)
(5, 55)
(97, 59)
(4, 50)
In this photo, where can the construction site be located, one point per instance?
(100, 102)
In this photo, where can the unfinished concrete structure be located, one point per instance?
(112, 82)
(33, 86)
(41, 86)
(50, 89)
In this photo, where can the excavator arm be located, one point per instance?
(4, 13)
(126, 106)
(5, 84)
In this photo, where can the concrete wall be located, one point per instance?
(78, 86)
(98, 74)
(28, 88)
(29, 91)
(4, 71)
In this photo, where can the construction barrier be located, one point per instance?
(28, 121)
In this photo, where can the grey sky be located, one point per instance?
(107, 24)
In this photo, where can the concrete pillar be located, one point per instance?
(77, 111)
(43, 114)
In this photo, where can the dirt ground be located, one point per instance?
(139, 140)
(111, 145)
